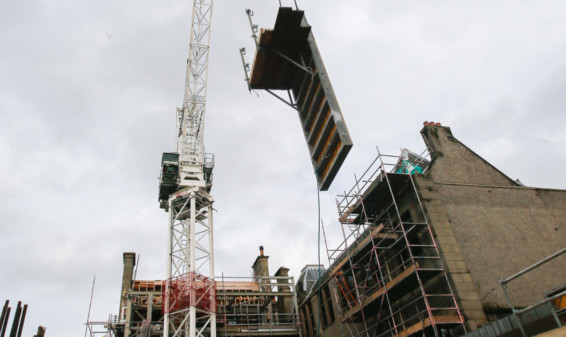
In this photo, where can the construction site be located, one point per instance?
(434, 243)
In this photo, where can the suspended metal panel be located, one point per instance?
(288, 58)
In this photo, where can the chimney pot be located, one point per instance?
(261, 250)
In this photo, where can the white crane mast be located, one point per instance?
(189, 300)
(190, 118)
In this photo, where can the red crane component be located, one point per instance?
(190, 289)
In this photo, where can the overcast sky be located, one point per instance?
(88, 92)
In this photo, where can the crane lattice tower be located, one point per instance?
(189, 299)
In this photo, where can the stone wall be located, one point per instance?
(499, 226)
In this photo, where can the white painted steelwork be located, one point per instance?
(190, 118)
(191, 246)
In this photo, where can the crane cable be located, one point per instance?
(320, 304)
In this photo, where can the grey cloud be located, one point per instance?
(88, 93)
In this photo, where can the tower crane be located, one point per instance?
(189, 300)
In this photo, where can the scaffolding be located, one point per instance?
(141, 315)
(259, 306)
(102, 328)
(263, 306)
(388, 275)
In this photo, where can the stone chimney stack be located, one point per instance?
(435, 136)
(261, 266)
(127, 279)
(40, 332)
(284, 303)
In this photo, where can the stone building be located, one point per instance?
(427, 239)
(265, 305)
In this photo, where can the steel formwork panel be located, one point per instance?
(270, 71)
(287, 58)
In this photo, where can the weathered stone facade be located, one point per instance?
(484, 225)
